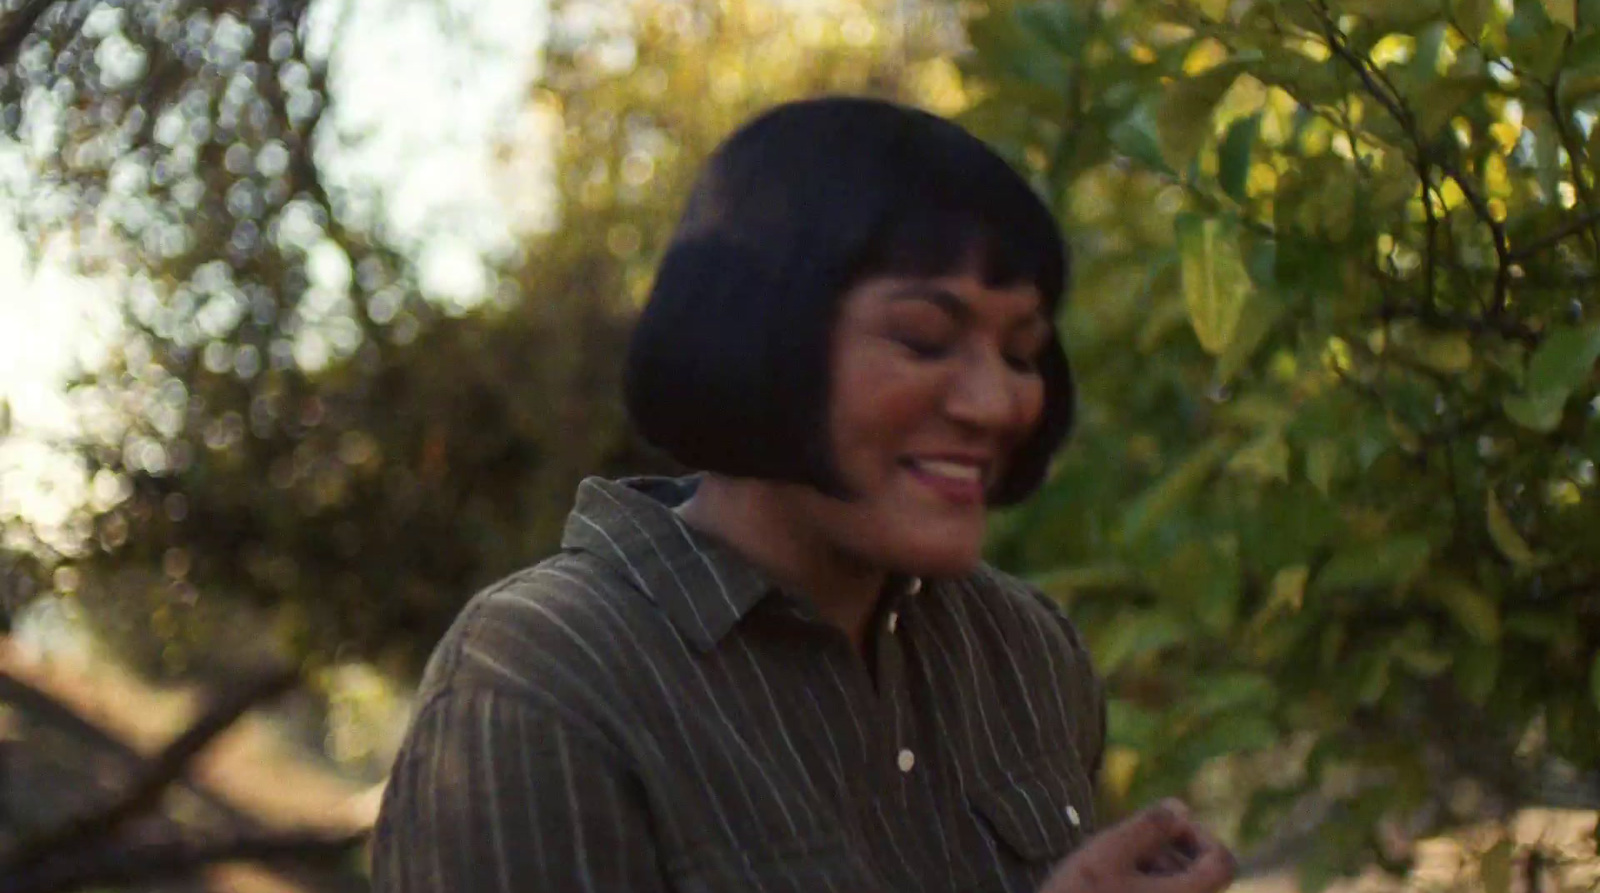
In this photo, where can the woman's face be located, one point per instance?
(935, 383)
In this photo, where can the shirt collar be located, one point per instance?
(703, 586)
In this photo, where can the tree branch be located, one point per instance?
(137, 865)
(146, 790)
(1550, 240)
(1390, 99)
(17, 27)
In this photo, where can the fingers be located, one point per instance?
(1157, 851)
(1142, 838)
(1213, 871)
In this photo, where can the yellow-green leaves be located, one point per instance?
(1472, 15)
(1395, 15)
(1471, 609)
(1216, 286)
(1562, 12)
(1186, 112)
(1390, 561)
(1266, 458)
(1154, 504)
(1289, 588)
(1563, 363)
(1443, 97)
(1506, 538)
(1260, 314)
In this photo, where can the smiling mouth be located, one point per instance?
(960, 481)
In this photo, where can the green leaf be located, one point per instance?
(1425, 662)
(1389, 15)
(1216, 285)
(1537, 626)
(1234, 735)
(1068, 581)
(1234, 156)
(1256, 322)
(1546, 154)
(1134, 635)
(1563, 13)
(1477, 669)
(1185, 121)
(1135, 136)
(1506, 538)
(1322, 463)
(1564, 360)
(1153, 505)
(1442, 97)
(1534, 42)
(1473, 16)
(1450, 354)
(1373, 668)
(1540, 413)
(1054, 24)
(1231, 693)
(1562, 364)
(1584, 56)
(1266, 458)
(1289, 588)
(1131, 725)
(1368, 565)
(1468, 606)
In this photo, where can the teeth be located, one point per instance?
(953, 470)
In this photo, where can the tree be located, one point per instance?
(331, 449)
(296, 456)
(1333, 498)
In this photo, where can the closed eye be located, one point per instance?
(925, 350)
(1023, 363)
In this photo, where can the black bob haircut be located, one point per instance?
(728, 368)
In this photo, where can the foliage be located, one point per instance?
(1331, 506)
(1333, 499)
(293, 427)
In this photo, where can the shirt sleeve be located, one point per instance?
(491, 793)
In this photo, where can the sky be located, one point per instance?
(426, 90)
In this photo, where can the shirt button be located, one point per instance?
(907, 760)
(894, 620)
(1073, 817)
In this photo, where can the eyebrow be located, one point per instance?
(957, 306)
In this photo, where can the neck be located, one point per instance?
(759, 519)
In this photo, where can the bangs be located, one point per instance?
(960, 211)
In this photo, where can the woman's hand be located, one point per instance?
(1160, 850)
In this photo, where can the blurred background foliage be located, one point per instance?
(1330, 518)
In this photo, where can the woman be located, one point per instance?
(792, 671)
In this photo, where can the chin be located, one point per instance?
(946, 559)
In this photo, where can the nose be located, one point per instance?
(984, 393)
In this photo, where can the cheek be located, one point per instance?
(876, 409)
(1030, 405)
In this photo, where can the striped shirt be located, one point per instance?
(645, 711)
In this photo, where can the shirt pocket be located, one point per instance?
(1039, 812)
(823, 863)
